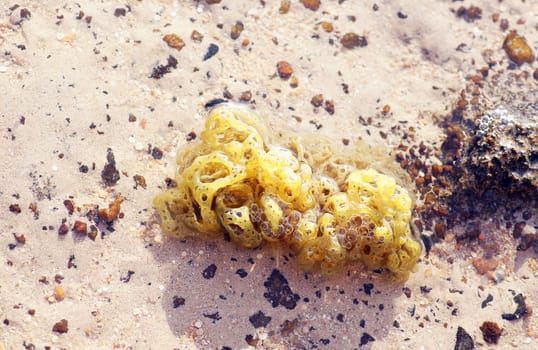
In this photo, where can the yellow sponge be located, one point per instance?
(331, 208)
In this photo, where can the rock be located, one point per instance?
(517, 49)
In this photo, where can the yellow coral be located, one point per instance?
(331, 208)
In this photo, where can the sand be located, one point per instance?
(80, 79)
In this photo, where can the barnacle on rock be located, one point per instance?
(331, 207)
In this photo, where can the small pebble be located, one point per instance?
(174, 41)
(517, 49)
(237, 28)
(59, 293)
(311, 4)
(284, 69)
(352, 40)
(60, 326)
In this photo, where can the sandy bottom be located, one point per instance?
(80, 80)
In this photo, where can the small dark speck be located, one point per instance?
(209, 271)
(211, 51)
(340, 317)
(120, 12)
(368, 288)
(127, 277)
(365, 339)
(212, 103)
(214, 316)
(156, 153)
(259, 319)
(83, 169)
(486, 301)
(241, 273)
(177, 301)
(402, 15)
(324, 341)
(190, 136)
(411, 310)
(425, 289)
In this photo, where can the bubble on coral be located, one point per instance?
(331, 207)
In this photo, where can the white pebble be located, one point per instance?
(3, 69)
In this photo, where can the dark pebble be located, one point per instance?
(491, 332)
(177, 301)
(278, 292)
(521, 309)
(156, 153)
(110, 175)
(463, 340)
(209, 271)
(241, 273)
(211, 51)
(365, 339)
(259, 319)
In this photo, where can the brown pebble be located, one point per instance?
(437, 169)
(59, 293)
(60, 326)
(386, 109)
(132, 118)
(31, 312)
(80, 227)
(284, 69)
(111, 213)
(63, 229)
(329, 106)
(21, 239)
(245, 96)
(317, 100)
(294, 82)
(197, 36)
(93, 232)
(15, 208)
(327, 26)
(491, 332)
(352, 40)
(212, 2)
(140, 181)
(190, 136)
(237, 28)
(284, 6)
(469, 14)
(70, 206)
(174, 41)
(483, 265)
(517, 49)
(440, 229)
(311, 4)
